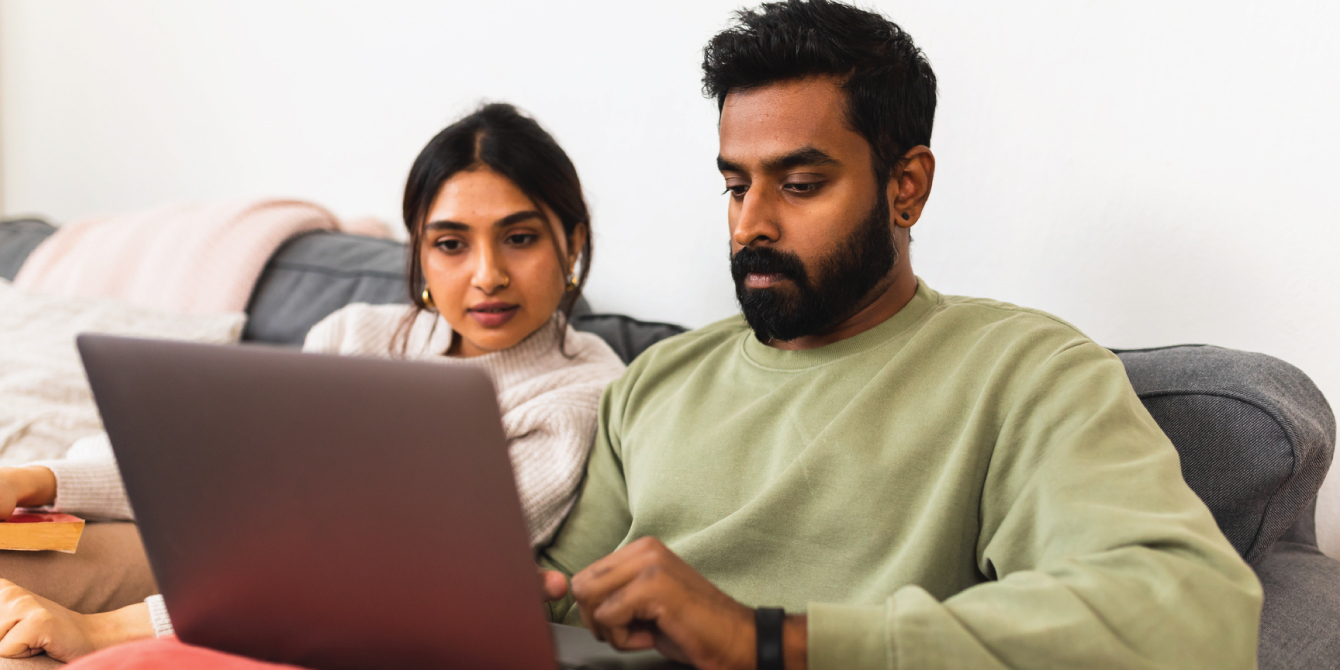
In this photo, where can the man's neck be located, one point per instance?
(886, 303)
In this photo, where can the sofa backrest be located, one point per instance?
(1255, 435)
(18, 238)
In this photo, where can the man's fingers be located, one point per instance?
(629, 614)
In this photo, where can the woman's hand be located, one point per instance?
(31, 624)
(25, 487)
(553, 584)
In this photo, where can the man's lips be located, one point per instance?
(763, 279)
(493, 314)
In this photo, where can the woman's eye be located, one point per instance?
(450, 244)
(521, 239)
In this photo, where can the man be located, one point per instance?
(919, 480)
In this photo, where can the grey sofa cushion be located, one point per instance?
(627, 336)
(315, 274)
(1254, 434)
(18, 238)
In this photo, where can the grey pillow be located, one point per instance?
(18, 238)
(315, 274)
(627, 336)
(1254, 434)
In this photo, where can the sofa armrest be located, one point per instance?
(1300, 619)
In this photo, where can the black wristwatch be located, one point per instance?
(768, 631)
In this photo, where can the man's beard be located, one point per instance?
(842, 282)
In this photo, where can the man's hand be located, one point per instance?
(644, 596)
(31, 624)
(25, 487)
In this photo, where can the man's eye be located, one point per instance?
(737, 190)
(803, 187)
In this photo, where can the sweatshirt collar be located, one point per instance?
(782, 359)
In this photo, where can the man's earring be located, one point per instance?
(906, 216)
(427, 299)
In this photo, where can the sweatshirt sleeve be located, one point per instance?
(1096, 552)
(88, 482)
(600, 519)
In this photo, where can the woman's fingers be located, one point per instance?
(553, 584)
(32, 624)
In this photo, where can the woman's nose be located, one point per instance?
(490, 276)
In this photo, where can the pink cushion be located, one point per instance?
(167, 653)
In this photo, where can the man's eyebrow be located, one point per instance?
(724, 165)
(515, 217)
(804, 156)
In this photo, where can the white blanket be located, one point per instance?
(45, 401)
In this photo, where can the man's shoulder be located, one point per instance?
(995, 323)
(986, 310)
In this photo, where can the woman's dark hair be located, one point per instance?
(501, 138)
(889, 83)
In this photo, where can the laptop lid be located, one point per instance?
(329, 512)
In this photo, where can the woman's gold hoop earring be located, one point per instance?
(427, 299)
(572, 283)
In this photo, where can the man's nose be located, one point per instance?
(756, 220)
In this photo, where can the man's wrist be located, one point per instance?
(795, 642)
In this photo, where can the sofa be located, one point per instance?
(1254, 434)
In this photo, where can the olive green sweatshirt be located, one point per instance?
(970, 484)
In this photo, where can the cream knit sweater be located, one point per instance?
(548, 400)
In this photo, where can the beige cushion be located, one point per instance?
(45, 402)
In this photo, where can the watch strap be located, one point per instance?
(768, 631)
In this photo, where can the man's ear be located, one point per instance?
(910, 185)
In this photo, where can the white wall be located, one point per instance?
(1154, 172)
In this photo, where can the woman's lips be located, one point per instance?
(493, 314)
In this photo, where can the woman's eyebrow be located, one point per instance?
(518, 217)
(446, 225)
(515, 217)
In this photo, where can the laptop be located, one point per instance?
(330, 512)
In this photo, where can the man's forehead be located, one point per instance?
(765, 122)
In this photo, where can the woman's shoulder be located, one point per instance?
(358, 328)
(591, 350)
(577, 371)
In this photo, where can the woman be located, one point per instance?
(501, 232)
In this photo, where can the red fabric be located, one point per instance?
(168, 653)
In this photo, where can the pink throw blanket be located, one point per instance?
(179, 258)
(168, 654)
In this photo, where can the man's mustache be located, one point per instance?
(765, 260)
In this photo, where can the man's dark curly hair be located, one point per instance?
(889, 83)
